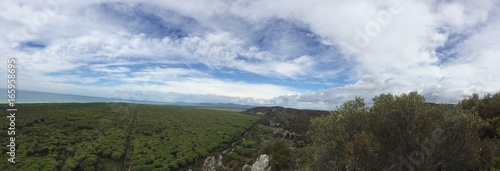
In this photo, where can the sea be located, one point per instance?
(26, 96)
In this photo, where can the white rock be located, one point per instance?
(262, 164)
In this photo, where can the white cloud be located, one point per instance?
(100, 68)
(445, 50)
(404, 51)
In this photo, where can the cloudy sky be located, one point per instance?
(305, 54)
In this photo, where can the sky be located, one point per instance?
(313, 54)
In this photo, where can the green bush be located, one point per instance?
(89, 168)
(116, 155)
(107, 166)
(47, 169)
(173, 165)
(397, 132)
(488, 108)
(280, 154)
(68, 167)
(495, 163)
(233, 164)
(142, 168)
(90, 161)
(181, 162)
(161, 169)
(35, 166)
(249, 152)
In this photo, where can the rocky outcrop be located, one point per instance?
(296, 120)
(212, 164)
(262, 164)
(265, 110)
(246, 167)
(274, 123)
(284, 133)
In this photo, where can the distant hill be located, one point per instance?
(218, 105)
(225, 105)
(261, 110)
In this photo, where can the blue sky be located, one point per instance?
(305, 54)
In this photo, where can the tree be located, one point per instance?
(89, 161)
(116, 155)
(173, 165)
(488, 108)
(89, 168)
(280, 154)
(401, 132)
(330, 134)
(69, 164)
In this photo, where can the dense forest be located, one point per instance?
(118, 136)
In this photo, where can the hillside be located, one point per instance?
(296, 120)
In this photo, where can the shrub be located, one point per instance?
(396, 132)
(280, 154)
(173, 165)
(88, 162)
(89, 168)
(116, 155)
(161, 169)
(181, 161)
(68, 167)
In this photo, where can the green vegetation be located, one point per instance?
(398, 132)
(488, 108)
(280, 153)
(406, 133)
(246, 149)
(117, 136)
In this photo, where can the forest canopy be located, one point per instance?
(118, 136)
